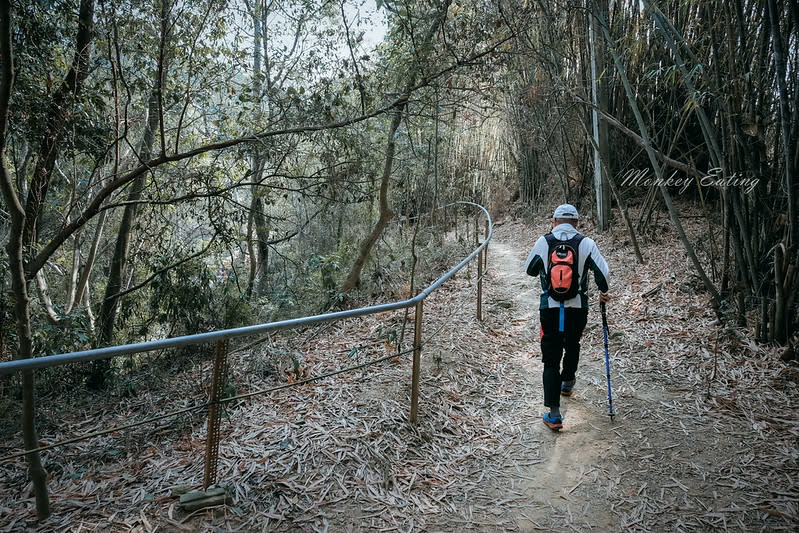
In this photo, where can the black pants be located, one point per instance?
(557, 345)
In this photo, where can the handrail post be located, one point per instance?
(485, 250)
(417, 353)
(218, 378)
(480, 285)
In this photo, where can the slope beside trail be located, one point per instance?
(704, 438)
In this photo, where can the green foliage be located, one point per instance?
(355, 352)
(181, 298)
(41, 40)
(324, 269)
(236, 310)
(388, 334)
(189, 299)
(70, 333)
(229, 390)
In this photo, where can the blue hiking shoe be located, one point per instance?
(553, 422)
(566, 388)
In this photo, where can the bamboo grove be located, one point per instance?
(710, 89)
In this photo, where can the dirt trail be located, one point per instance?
(567, 458)
(703, 439)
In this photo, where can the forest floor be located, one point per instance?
(704, 437)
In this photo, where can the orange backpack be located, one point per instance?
(563, 271)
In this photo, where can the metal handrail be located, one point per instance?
(48, 361)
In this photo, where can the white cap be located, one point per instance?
(566, 211)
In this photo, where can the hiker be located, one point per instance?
(562, 259)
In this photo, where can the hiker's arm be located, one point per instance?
(601, 271)
(534, 264)
(601, 278)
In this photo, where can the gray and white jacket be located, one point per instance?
(589, 258)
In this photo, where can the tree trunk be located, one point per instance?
(116, 272)
(58, 118)
(623, 208)
(117, 269)
(780, 326)
(83, 282)
(259, 256)
(19, 291)
(261, 242)
(16, 265)
(788, 144)
(599, 127)
(19, 285)
(385, 214)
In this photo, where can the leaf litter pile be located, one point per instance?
(705, 436)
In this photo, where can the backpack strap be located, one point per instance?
(575, 241)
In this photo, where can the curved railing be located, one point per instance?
(109, 352)
(221, 338)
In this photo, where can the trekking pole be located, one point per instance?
(611, 414)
